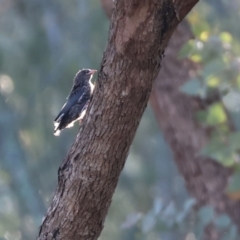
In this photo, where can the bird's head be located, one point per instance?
(84, 75)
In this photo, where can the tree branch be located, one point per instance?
(88, 176)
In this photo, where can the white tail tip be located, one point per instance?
(57, 133)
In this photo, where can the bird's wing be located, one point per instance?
(75, 90)
(73, 98)
(84, 99)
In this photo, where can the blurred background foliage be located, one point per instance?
(42, 45)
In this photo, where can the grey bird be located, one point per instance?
(77, 102)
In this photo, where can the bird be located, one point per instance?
(77, 101)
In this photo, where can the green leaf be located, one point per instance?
(191, 87)
(226, 37)
(222, 221)
(148, 222)
(206, 215)
(232, 101)
(233, 141)
(213, 81)
(204, 36)
(212, 68)
(188, 205)
(234, 183)
(186, 49)
(218, 150)
(231, 234)
(197, 58)
(158, 206)
(216, 114)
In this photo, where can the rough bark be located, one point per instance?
(175, 111)
(198, 178)
(88, 176)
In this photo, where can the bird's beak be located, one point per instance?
(92, 71)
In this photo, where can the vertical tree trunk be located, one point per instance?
(205, 179)
(88, 176)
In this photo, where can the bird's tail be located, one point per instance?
(56, 131)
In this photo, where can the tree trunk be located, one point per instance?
(205, 179)
(175, 111)
(88, 176)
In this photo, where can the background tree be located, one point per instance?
(45, 37)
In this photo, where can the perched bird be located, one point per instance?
(77, 102)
